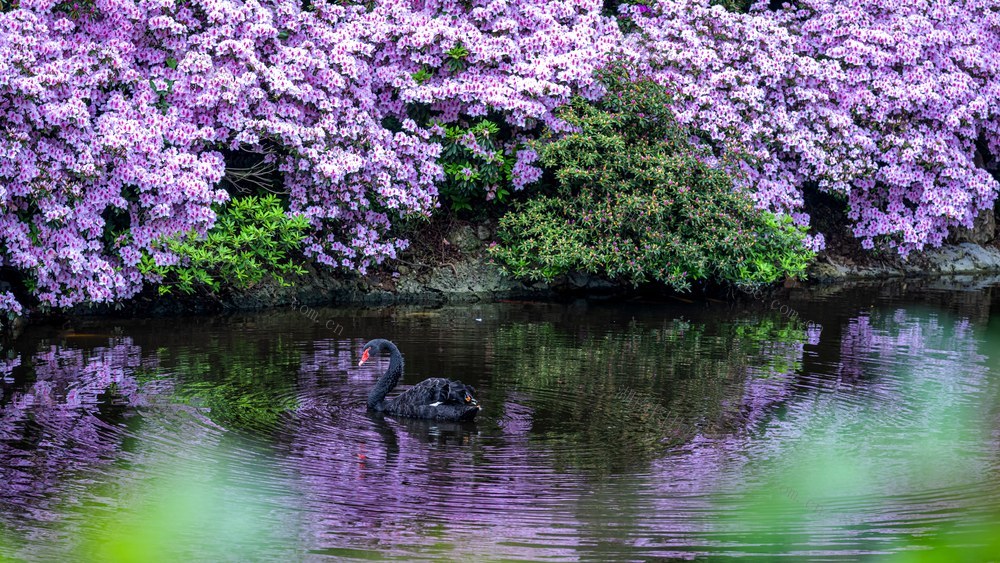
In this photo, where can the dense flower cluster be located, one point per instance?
(116, 113)
(83, 151)
(9, 303)
(881, 101)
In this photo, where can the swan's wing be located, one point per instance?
(433, 390)
(425, 393)
(438, 390)
(435, 398)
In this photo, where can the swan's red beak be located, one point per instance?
(364, 357)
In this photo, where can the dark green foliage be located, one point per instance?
(422, 75)
(635, 202)
(611, 7)
(252, 238)
(739, 6)
(474, 163)
(75, 9)
(457, 57)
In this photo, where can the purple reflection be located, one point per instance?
(521, 483)
(61, 427)
(401, 486)
(7, 367)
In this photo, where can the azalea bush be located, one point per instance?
(636, 202)
(117, 114)
(885, 103)
(473, 158)
(119, 118)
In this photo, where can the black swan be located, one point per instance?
(435, 398)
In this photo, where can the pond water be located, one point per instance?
(817, 423)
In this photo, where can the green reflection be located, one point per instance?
(607, 401)
(890, 450)
(246, 385)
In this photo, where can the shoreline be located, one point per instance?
(471, 277)
(964, 258)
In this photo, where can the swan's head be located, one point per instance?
(375, 346)
(471, 408)
(464, 395)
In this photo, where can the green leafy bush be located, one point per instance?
(475, 164)
(636, 202)
(252, 238)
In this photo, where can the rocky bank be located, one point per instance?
(455, 266)
(459, 268)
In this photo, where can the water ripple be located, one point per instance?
(609, 433)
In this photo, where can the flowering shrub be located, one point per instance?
(472, 158)
(116, 113)
(636, 203)
(83, 151)
(116, 116)
(881, 101)
(9, 307)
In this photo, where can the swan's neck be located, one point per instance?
(388, 380)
